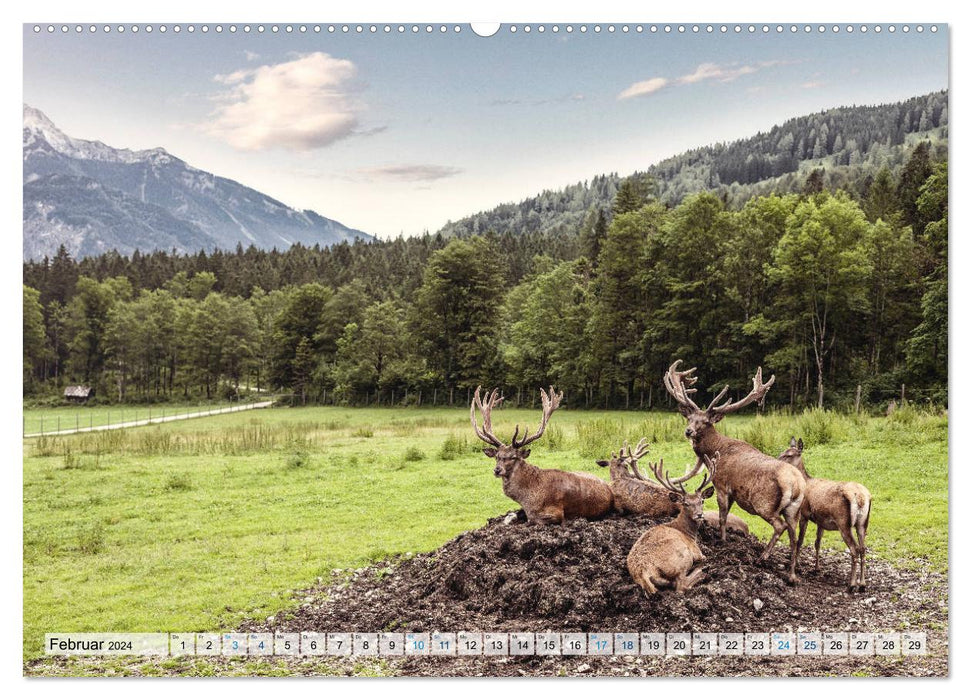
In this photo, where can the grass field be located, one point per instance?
(50, 420)
(194, 525)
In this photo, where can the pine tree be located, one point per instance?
(882, 201)
(916, 171)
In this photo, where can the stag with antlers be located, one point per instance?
(760, 484)
(665, 554)
(547, 496)
(834, 505)
(636, 495)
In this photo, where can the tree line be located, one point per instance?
(827, 289)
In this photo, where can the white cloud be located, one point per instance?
(813, 84)
(410, 173)
(644, 87)
(300, 105)
(713, 71)
(250, 55)
(704, 71)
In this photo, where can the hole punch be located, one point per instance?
(485, 29)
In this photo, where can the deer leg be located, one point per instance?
(778, 527)
(793, 547)
(819, 541)
(803, 523)
(725, 502)
(861, 537)
(847, 535)
(548, 516)
(643, 579)
(684, 582)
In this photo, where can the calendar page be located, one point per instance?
(520, 349)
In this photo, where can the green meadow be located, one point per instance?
(195, 525)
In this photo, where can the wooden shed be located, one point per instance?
(78, 394)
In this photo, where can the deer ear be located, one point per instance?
(708, 493)
(800, 444)
(490, 451)
(675, 497)
(685, 411)
(603, 463)
(715, 417)
(524, 453)
(792, 442)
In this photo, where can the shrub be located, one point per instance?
(597, 438)
(413, 454)
(178, 482)
(91, 540)
(297, 460)
(71, 460)
(453, 446)
(820, 427)
(553, 439)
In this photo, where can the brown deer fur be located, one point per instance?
(633, 494)
(834, 505)
(664, 555)
(547, 495)
(760, 484)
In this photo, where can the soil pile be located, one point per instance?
(515, 576)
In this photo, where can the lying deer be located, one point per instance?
(546, 495)
(664, 555)
(760, 484)
(834, 505)
(635, 494)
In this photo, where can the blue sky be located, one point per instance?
(398, 133)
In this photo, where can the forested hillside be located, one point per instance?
(826, 288)
(849, 144)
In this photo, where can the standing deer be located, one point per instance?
(547, 495)
(834, 505)
(635, 494)
(760, 484)
(663, 556)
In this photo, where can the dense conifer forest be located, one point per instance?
(817, 250)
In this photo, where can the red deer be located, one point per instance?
(663, 556)
(760, 484)
(546, 495)
(635, 494)
(834, 505)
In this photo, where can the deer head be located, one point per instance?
(793, 455)
(509, 457)
(680, 386)
(692, 504)
(624, 463)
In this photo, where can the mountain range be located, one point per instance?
(93, 198)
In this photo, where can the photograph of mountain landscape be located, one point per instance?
(268, 269)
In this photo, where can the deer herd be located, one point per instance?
(778, 490)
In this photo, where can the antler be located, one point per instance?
(551, 402)
(677, 485)
(710, 464)
(757, 394)
(491, 401)
(639, 450)
(679, 386)
(632, 456)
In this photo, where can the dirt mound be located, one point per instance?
(522, 577)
